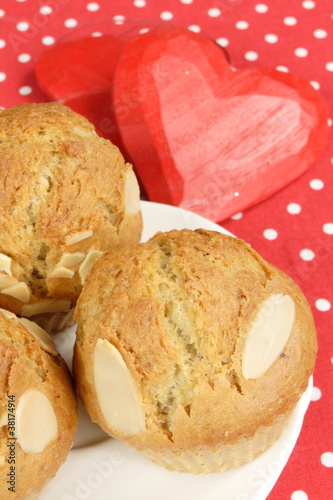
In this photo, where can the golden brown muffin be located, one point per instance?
(66, 195)
(192, 349)
(38, 408)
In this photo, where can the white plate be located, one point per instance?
(100, 468)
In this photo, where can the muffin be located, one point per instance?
(192, 349)
(38, 408)
(66, 196)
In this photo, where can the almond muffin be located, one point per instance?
(38, 408)
(66, 196)
(192, 349)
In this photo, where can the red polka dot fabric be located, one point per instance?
(292, 229)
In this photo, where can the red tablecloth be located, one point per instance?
(294, 228)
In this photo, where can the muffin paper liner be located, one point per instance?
(225, 456)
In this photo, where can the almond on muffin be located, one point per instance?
(66, 196)
(38, 408)
(192, 349)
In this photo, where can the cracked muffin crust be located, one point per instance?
(164, 357)
(66, 194)
(38, 408)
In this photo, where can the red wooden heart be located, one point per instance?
(205, 136)
(79, 74)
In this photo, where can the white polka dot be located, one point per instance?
(186, 1)
(25, 90)
(327, 459)
(307, 254)
(261, 8)
(214, 12)
(242, 25)
(95, 34)
(119, 19)
(143, 30)
(294, 208)
(48, 40)
(299, 495)
(290, 21)
(308, 4)
(328, 228)
(251, 55)
(23, 58)
(237, 216)
(320, 33)
(329, 66)
(315, 394)
(323, 305)
(316, 184)
(2, 12)
(270, 234)
(70, 23)
(271, 38)
(329, 122)
(2, 44)
(3, 76)
(46, 10)
(284, 69)
(166, 15)
(139, 3)
(301, 52)
(195, 28)
(93, 7)
(315, 85)
(223, 42)
(22, 26)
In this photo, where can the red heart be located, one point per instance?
(79, 74)
(206, 137)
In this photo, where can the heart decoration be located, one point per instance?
(200, 134)
(79, 74)
(207, 137)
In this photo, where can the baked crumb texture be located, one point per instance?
(179, 310)
(38, 400)
(65, 194)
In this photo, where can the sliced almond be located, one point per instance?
(6, 281)
(61, 272)
(87, 264)
(132, 193)
(20, 291)
(5, 260)
(117, 394)
(5, 263)
(46, 306)
(60, 320)
(9, 314)
(2, 460)
(35, 423)
(40, 334)
(55, 322)
(75, 238)
(72, 259)
(268, 336)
